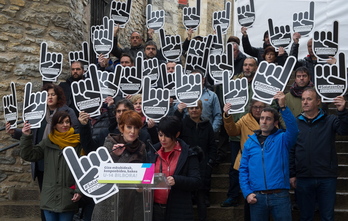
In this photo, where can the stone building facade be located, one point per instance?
(63, 24)
(24, 24)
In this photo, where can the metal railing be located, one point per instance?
(12, 145)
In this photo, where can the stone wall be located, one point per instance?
(24, 24)
(208, 8)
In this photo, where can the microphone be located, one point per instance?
(125, 145)
(149, 141)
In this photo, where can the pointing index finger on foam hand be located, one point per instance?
(72, 159)
(43, 52)
(270, 25)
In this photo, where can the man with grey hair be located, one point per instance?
(136, 42)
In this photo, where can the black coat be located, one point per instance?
(200, 134)
(258, 52)
(101, 122)
(314, 154)
(187, 179)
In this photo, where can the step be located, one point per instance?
(341, 146)
(217, 196)
(23, 194)
(341, 138)
(342, 170)
(20, 209)
(342, 157)
(341, 200)
(217, 213)
(20, 219)
(342, 183)
(220, 181)
(222, 168)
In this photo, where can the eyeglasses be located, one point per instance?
(257, 107)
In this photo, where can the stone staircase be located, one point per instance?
(23, 205)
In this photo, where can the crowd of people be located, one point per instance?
(288, 144)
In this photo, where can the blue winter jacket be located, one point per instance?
(267, 167)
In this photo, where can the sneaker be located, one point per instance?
(229, 202)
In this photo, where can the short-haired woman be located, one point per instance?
(179, 163)
(125, 148)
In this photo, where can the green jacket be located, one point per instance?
(294, 103)
(58, 182)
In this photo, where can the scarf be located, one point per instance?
(297, 91)
(65, 139)
(134, 152)
(132, 148)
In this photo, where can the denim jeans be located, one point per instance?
(277, 204)
(52, 216)
(310, 190)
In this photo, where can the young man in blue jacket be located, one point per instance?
(264, 169)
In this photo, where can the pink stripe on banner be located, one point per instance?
(148, 175)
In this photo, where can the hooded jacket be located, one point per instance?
(267, 167)
(314, 154)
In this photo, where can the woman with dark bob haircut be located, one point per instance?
(180, 165)
(124, 148)
(59, 194)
